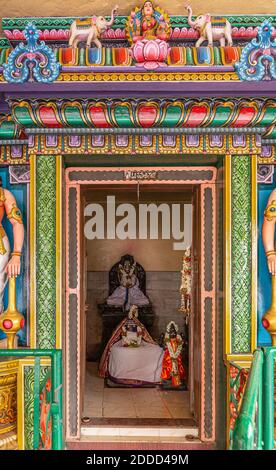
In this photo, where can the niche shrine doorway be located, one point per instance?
(197, 185)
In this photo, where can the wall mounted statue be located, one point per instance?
(148, 29)
(10, 263)
(11, 321)
(269, 233)
(90, 29)
(269, 319)
(211, 28)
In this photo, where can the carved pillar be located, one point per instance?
(45, 251)
(8, 402)
(241, 254)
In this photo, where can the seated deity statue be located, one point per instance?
(128, 293)
(149, 23)
(173, 374)
(131, 356)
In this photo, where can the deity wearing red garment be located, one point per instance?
(173, 372)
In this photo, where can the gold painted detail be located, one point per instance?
(2, 196)
(8, 402)
(134, 145)
(270, 212)
(2, 235)
(11, 321)
(15, 214)
(269, 319)
(149, 77)
(6, 380)
(7, 155)
(8, 366)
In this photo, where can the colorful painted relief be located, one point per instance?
(45, 415)
(258, 58)
(8, 404)
(143, 105)
(146, 113)
(11, 321)
(32, 62)
(268, 234)
(90, 29)
(148, 39)
(186, 283)
(238, 380)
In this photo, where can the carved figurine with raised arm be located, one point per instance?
(269, 319)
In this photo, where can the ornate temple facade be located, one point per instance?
(148, 101)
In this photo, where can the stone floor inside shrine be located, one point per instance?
(145, 405)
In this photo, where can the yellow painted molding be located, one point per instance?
(32, 251)
(254, 241)
(227, 256)
(239, 359)
(58, 251)
(20, 407)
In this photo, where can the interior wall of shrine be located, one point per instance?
(161, 262)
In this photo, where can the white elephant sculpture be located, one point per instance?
(211, 28)
(90, 29)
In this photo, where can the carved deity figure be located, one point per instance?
(128, 293)
(10, 263)
(131, 332)
(269, 233)
(172, 368)
(148, 22)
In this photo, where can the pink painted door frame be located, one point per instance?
(76, 178)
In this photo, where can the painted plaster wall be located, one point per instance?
(22, 8)
(153, 255)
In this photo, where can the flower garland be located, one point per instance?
(174, 354)
(186, 282)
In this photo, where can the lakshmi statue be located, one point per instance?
(148, 23)
(10, 264)
(173, 372)
(128, 293)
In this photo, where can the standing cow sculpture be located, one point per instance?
(211, 28)
(90, 29)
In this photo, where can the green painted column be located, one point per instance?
(45, 242)
(243, 253)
